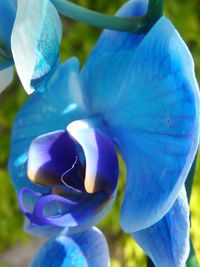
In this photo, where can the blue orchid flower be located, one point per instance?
(30, 35)
(136, 93)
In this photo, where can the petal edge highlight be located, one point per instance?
(36, 49)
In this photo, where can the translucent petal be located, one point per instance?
(6, 77)
(87, 249)
(167, 241)
(35, 42)
(155, 123)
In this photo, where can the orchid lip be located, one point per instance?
(79, 167)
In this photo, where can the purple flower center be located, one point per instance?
(79, 168)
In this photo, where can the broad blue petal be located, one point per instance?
(6, 77)
(87, 249)
(111, 57)
(167, 242)
(155, 124)
(35, 42)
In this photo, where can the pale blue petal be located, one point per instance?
(6, 77)
(167, 242)
(87, 249)
(155, 124)
(35, 42)
(111, 56)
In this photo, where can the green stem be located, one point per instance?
(135, 25)
(155, 9)
(192, 259)
(190, 179)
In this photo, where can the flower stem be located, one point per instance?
(190, 178)
(155, 9)
(135, 25)
(192, 259)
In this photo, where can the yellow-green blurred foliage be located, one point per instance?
(78, 40)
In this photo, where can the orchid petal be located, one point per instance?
(158, 110)
(167, 242)
(35, 42)
(88, 249)
(6, 77)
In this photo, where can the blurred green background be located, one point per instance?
(78, 40)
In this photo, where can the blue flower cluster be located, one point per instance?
(136, 94)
